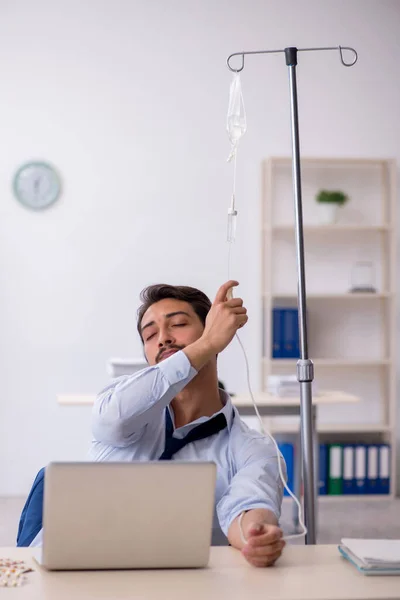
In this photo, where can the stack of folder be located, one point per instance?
(346, 469)
(372, 557)
(285, 333)
(354, 469)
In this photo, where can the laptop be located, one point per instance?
(140, 515)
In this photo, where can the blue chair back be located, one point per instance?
(31, 519)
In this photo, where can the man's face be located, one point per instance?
(168, 326)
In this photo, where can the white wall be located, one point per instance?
(128, 100)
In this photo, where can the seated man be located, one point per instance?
(174, 409)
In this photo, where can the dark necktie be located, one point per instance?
(173, 445)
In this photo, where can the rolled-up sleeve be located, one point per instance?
(126, 406)
(256, 483)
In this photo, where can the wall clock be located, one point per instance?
(37, 185)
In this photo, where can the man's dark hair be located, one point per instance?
(154, 293)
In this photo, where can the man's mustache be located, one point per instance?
(167, 349)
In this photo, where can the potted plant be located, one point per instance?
(329, 202)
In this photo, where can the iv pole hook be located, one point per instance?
(340, 48)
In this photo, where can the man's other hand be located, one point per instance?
(264, 544)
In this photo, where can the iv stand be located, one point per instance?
(305, 367)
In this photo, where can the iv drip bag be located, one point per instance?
(236, 118)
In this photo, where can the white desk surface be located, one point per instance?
(242, 400)
(303, 573)
(265, 399)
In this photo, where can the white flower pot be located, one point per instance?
(327, 213)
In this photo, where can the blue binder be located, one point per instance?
(277, 333)
(372, 469)
(323, 470)
(361, 468)
(349, 470)
(287, 451)
(290, 328)
(384, 469)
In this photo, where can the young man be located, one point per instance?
(142, 416)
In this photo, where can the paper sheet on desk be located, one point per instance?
(375, 553)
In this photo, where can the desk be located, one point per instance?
(303, 573)
(273, 405)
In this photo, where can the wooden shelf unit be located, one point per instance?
(366, 227)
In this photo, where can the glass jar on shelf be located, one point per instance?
(363, 277)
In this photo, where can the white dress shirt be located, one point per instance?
(128, 424)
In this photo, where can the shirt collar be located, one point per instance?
(226, 410)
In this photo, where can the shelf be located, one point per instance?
(353, 428)
(283, 428)
(345, 296)
(267, 400)
(76, 399)
(355, 497)
(330, 228)
(329, 162)
(329, 362)
(348, 498)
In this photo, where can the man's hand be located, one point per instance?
(224, 318)
(264, 544)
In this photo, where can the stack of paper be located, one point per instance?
(372, 557)
(283, 385)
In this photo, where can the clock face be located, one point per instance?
(37, 185)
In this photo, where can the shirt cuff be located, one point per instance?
(227, 520)
(176, 368)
